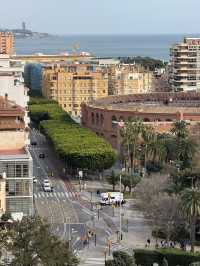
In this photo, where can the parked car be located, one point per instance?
(35, 180)
(110, 198)
(42, 155)
(34, 143)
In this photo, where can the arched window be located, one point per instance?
(114, 121)
(101, 119)
(121, 119)
(97, 119)
(93, 120)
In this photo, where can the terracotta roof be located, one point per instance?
(12, 152)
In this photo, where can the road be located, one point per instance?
(69, 212)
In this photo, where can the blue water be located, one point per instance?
(156, 46)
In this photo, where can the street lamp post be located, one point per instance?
(120, 206)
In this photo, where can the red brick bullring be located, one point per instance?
(105, 116)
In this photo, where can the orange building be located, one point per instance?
(6, 43)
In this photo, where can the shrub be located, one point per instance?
(173, 256)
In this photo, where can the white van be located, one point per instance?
(110, 198)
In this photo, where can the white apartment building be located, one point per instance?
(185, 65)
(12, 82)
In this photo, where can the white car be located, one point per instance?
(47, 188)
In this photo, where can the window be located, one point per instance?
(25, 170)
(114, 121)
(93, 120)
(101, 119)
(18, 170)
(97, 119)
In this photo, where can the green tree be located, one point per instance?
(179, 129)
(113, 179)
(131, 141)
(191, 205)
(185, 147)
(130, 181)
(33, 245)
(6, 216)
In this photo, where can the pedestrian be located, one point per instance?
(148, 242)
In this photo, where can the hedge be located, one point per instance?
(174, 257)
(80, 147)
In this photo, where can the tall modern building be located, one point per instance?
(6, 43)
(73, 84)
(33, 76)
(15, 161)
(185, 65)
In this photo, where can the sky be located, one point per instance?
(102, 16)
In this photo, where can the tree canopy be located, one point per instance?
(80, 147)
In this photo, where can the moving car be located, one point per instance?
(47, 188)
(47, 185)
(110, 198)
(42, 155)
(34, 143)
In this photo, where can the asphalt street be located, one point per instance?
(70, 215)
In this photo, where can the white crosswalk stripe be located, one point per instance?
(57, 195)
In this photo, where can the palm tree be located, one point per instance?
(191, 205)
(179, 129)
(131, 140)
(148, 136)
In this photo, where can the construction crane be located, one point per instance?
(75, 53)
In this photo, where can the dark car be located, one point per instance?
(34, 143)
(42, 155)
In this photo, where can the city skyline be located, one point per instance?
(103, 17)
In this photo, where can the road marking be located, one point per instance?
(66, 194)
(47, 195)
(58, 193)
(62, 194)
(43, 194)
(35, 195)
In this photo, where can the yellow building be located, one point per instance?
(71, 85)
(128, 79)
(6, 43)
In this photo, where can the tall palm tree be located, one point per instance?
(131, 140)
(148, 136)
(191, 205)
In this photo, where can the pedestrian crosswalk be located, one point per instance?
(58, 195)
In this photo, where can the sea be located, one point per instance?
(156, 46)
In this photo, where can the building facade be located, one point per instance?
(15, 161)
(126, 79)
(106, 116)
(6, 43)
(12, 81)
(33, 76)
(185, 65)
(71, 85)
